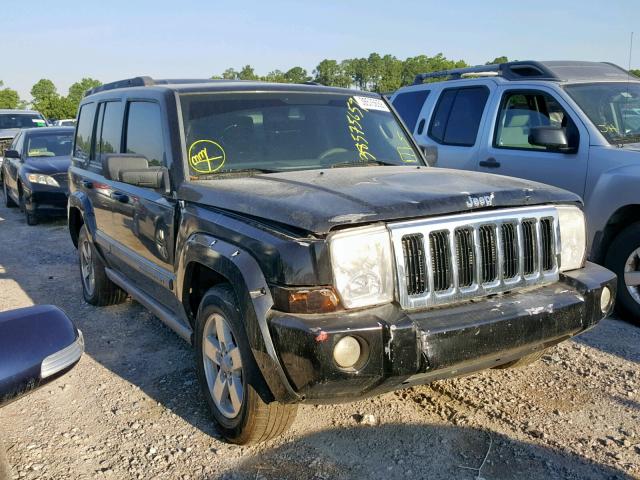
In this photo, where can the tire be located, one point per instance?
(31, 218)
(97, 289)
(623, 257)
(249, 419)
(523, 361)
(8, 201)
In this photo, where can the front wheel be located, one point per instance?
(8, 201)
(228, 372)
(623, 258)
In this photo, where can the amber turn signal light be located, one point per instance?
(319, 300)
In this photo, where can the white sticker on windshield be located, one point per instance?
(371, 103)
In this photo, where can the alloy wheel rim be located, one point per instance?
(223, 366)
(86, 267)
(632, 274)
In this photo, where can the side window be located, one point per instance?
(111, 133)
(84, 132)
(408, 106)
(520, 111)
(456, 119)
(17, 142)
(144, 132)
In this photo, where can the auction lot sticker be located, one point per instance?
(370, 103)
(206, 156)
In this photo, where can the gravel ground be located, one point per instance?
(132, 407)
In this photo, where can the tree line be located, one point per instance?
(376, 73)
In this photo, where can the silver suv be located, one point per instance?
(575, 125)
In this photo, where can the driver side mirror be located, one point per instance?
(135, 170)
(553, 138)
(11, 154)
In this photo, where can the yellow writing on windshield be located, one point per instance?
(206, 156)
(360, 142)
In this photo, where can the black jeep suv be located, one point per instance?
(295, 236)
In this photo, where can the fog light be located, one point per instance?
(605, 299)
(347, 351)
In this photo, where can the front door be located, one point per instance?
(507, 150)
(143, 218)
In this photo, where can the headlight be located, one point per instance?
(573, 237)
(362, 266)
(43, 179)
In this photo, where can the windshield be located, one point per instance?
(21, 120)
(231, 132)
(613, 107)
(49, 145)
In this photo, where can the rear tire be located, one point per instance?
(623, 257)
(8, 201)
(229, 368)
(523, 361)
(97, 289)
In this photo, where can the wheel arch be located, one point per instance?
(213, 261)
(79, 212)
(617, 222)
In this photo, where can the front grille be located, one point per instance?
(448, 259)
(414, 261)
(5, 143)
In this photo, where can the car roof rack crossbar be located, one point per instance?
(524, 70)
(146, 82)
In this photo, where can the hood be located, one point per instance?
(8, 132)
(47, 165)
(319, 200)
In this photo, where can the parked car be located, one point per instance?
(294, 235)
(66, 122)
(575, 125)
(37, 345)
(11, 121)
(35, 172)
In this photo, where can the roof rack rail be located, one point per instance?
(145, 82)
(524, 70)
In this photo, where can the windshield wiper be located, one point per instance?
(621, 140)
(368, 163)
(238, 171)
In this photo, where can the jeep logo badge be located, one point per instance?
(480, 201)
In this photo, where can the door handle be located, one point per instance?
(87, 184)
(489, 163)
(120, 197)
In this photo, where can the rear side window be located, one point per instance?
(111, 128)
(144, 132)
(84, 132)
(456, 119)
(408, 106)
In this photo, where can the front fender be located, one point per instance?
(251, 289)
(614, 189)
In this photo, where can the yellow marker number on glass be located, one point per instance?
(206, 156)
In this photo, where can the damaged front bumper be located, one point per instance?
(408, 348)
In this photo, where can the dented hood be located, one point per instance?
(319, 200)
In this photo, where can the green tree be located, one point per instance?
(230, 74)
(498, 60)
(76, 92)
(9, 98)
(296, 75)
(635, 72)
(247, 73)
(423, 64)
(46, 99)
(276, 76)
(391, 74)
(331, 73)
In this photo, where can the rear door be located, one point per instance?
(143, 218)
(11, 165)
(506, 149)
(86, 171)
(448, 129)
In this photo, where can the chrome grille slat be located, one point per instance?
(471, 255)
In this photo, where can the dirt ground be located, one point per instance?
(132, 407)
